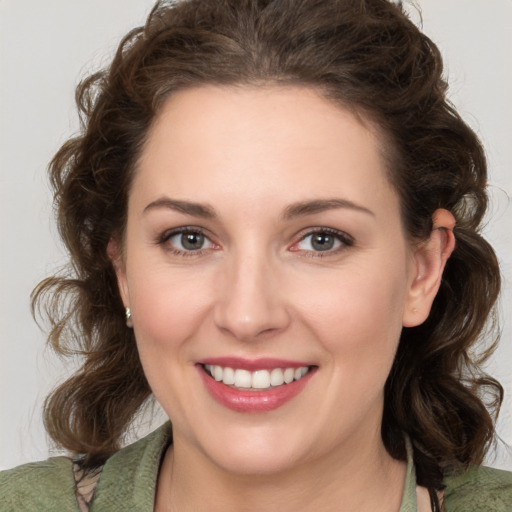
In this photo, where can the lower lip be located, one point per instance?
(253, 401)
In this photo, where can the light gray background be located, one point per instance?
(45, 47)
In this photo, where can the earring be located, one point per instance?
(128, 315)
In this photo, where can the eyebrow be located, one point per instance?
(320, 205)
(186, 207)
(292, 211)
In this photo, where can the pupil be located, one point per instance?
(192, 241)
(322, 242)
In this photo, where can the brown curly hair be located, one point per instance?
(363, 54)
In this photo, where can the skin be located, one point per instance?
(258, 288)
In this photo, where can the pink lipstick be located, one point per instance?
(254, 385)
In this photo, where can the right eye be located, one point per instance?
(187, 241)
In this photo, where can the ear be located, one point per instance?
(429, 261)
(115, 253)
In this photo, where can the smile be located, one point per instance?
(254, 386)
(255, 380)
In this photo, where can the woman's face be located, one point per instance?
(264, 241)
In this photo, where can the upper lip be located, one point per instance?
(263, 363)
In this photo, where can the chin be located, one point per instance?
(254, 451)
(243, 460)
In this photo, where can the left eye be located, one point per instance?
(321, 241)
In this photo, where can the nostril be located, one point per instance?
(248, 322)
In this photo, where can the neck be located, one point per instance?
(364, 478)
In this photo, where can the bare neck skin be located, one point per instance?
(363, 478)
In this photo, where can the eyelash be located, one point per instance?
(167, 235)
(345, 240)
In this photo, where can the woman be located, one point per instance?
(273, 220)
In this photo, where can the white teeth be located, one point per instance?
(242, 379)
(228, 376)
(217, 373)
(289, 374)
(259, 379)
(276, 377)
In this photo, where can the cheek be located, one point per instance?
(166, 308)
(357, 316)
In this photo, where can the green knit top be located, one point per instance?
(127, 482)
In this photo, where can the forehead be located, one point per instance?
(261, 142)
(260, 114)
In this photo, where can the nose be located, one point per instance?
(250, 302)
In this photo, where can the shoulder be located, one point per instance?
(128, 479)
(126, 482)
(479, 489)
(41, 486)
